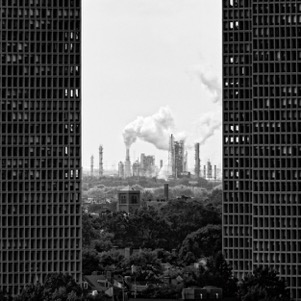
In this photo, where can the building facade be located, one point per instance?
(261, 140)
(129, 200)
(40, 209)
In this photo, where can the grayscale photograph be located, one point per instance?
(150, 150)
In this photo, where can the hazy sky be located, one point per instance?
(153, 59)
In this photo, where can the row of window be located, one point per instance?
(16, 25)
(26, 71)
(67, 3)
(39, 186)
(40, 243)
(35, 221)
(236, 3)
(56, 140)
(21, 39)
(40, 93)
(43, 175)
(42, 83)
(268, 151)
(276, 221)
(35, 198)
(39, 117)
(37, 209)
(266, 176)
(19, 13)
(48, 104)
(241, 162)
(20, 151)
(51, 3)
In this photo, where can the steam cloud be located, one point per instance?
(212, 84)
(154, 129)
(208, 124)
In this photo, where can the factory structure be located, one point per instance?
(177, 166)
(177, 158)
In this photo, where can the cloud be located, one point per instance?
(155, 129)
(207, 124)
(212, 84)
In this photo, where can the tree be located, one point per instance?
(148, 229)
(90, 261)
(147, 266)
(265, 285)
(90, 232)
(104, 242)
(204, 242)
(214, 199)
(111, 260)
(60, 287)
(219, 273)
(5, 296)
(31, 292)
(184, 217)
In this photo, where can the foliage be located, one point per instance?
(263, 284)
(214, 200)
(219, 273)
(5, 296)
(110, 260)
(148, 266)
(90, 261)
(185, 217)
(163, 291)
(202, 243)
(60, 287)
(148, 229)
(90, 230)
(104, 242)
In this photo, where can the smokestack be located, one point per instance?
(197, 160)
(127, 156)
(205, 176)
(161, 163)
(127, 164)
(215, 172)
(92, 165)
(166, 191)
(209, 170)
(100, 161)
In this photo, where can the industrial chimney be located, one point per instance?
(92, 166)
(100, 161)
(127, 164)
(166, 191)
(197, 160)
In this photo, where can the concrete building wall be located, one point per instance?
(40, 203)
(262, 109)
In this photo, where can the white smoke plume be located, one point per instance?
(155, 129)
(212, 83)
(207, 125)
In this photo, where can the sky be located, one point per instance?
(151, 68)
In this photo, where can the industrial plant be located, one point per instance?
(176, 166)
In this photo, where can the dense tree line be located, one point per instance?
(166, 227)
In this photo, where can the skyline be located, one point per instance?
(171, 62)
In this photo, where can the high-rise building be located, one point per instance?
(40, 206)
(261, 137)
